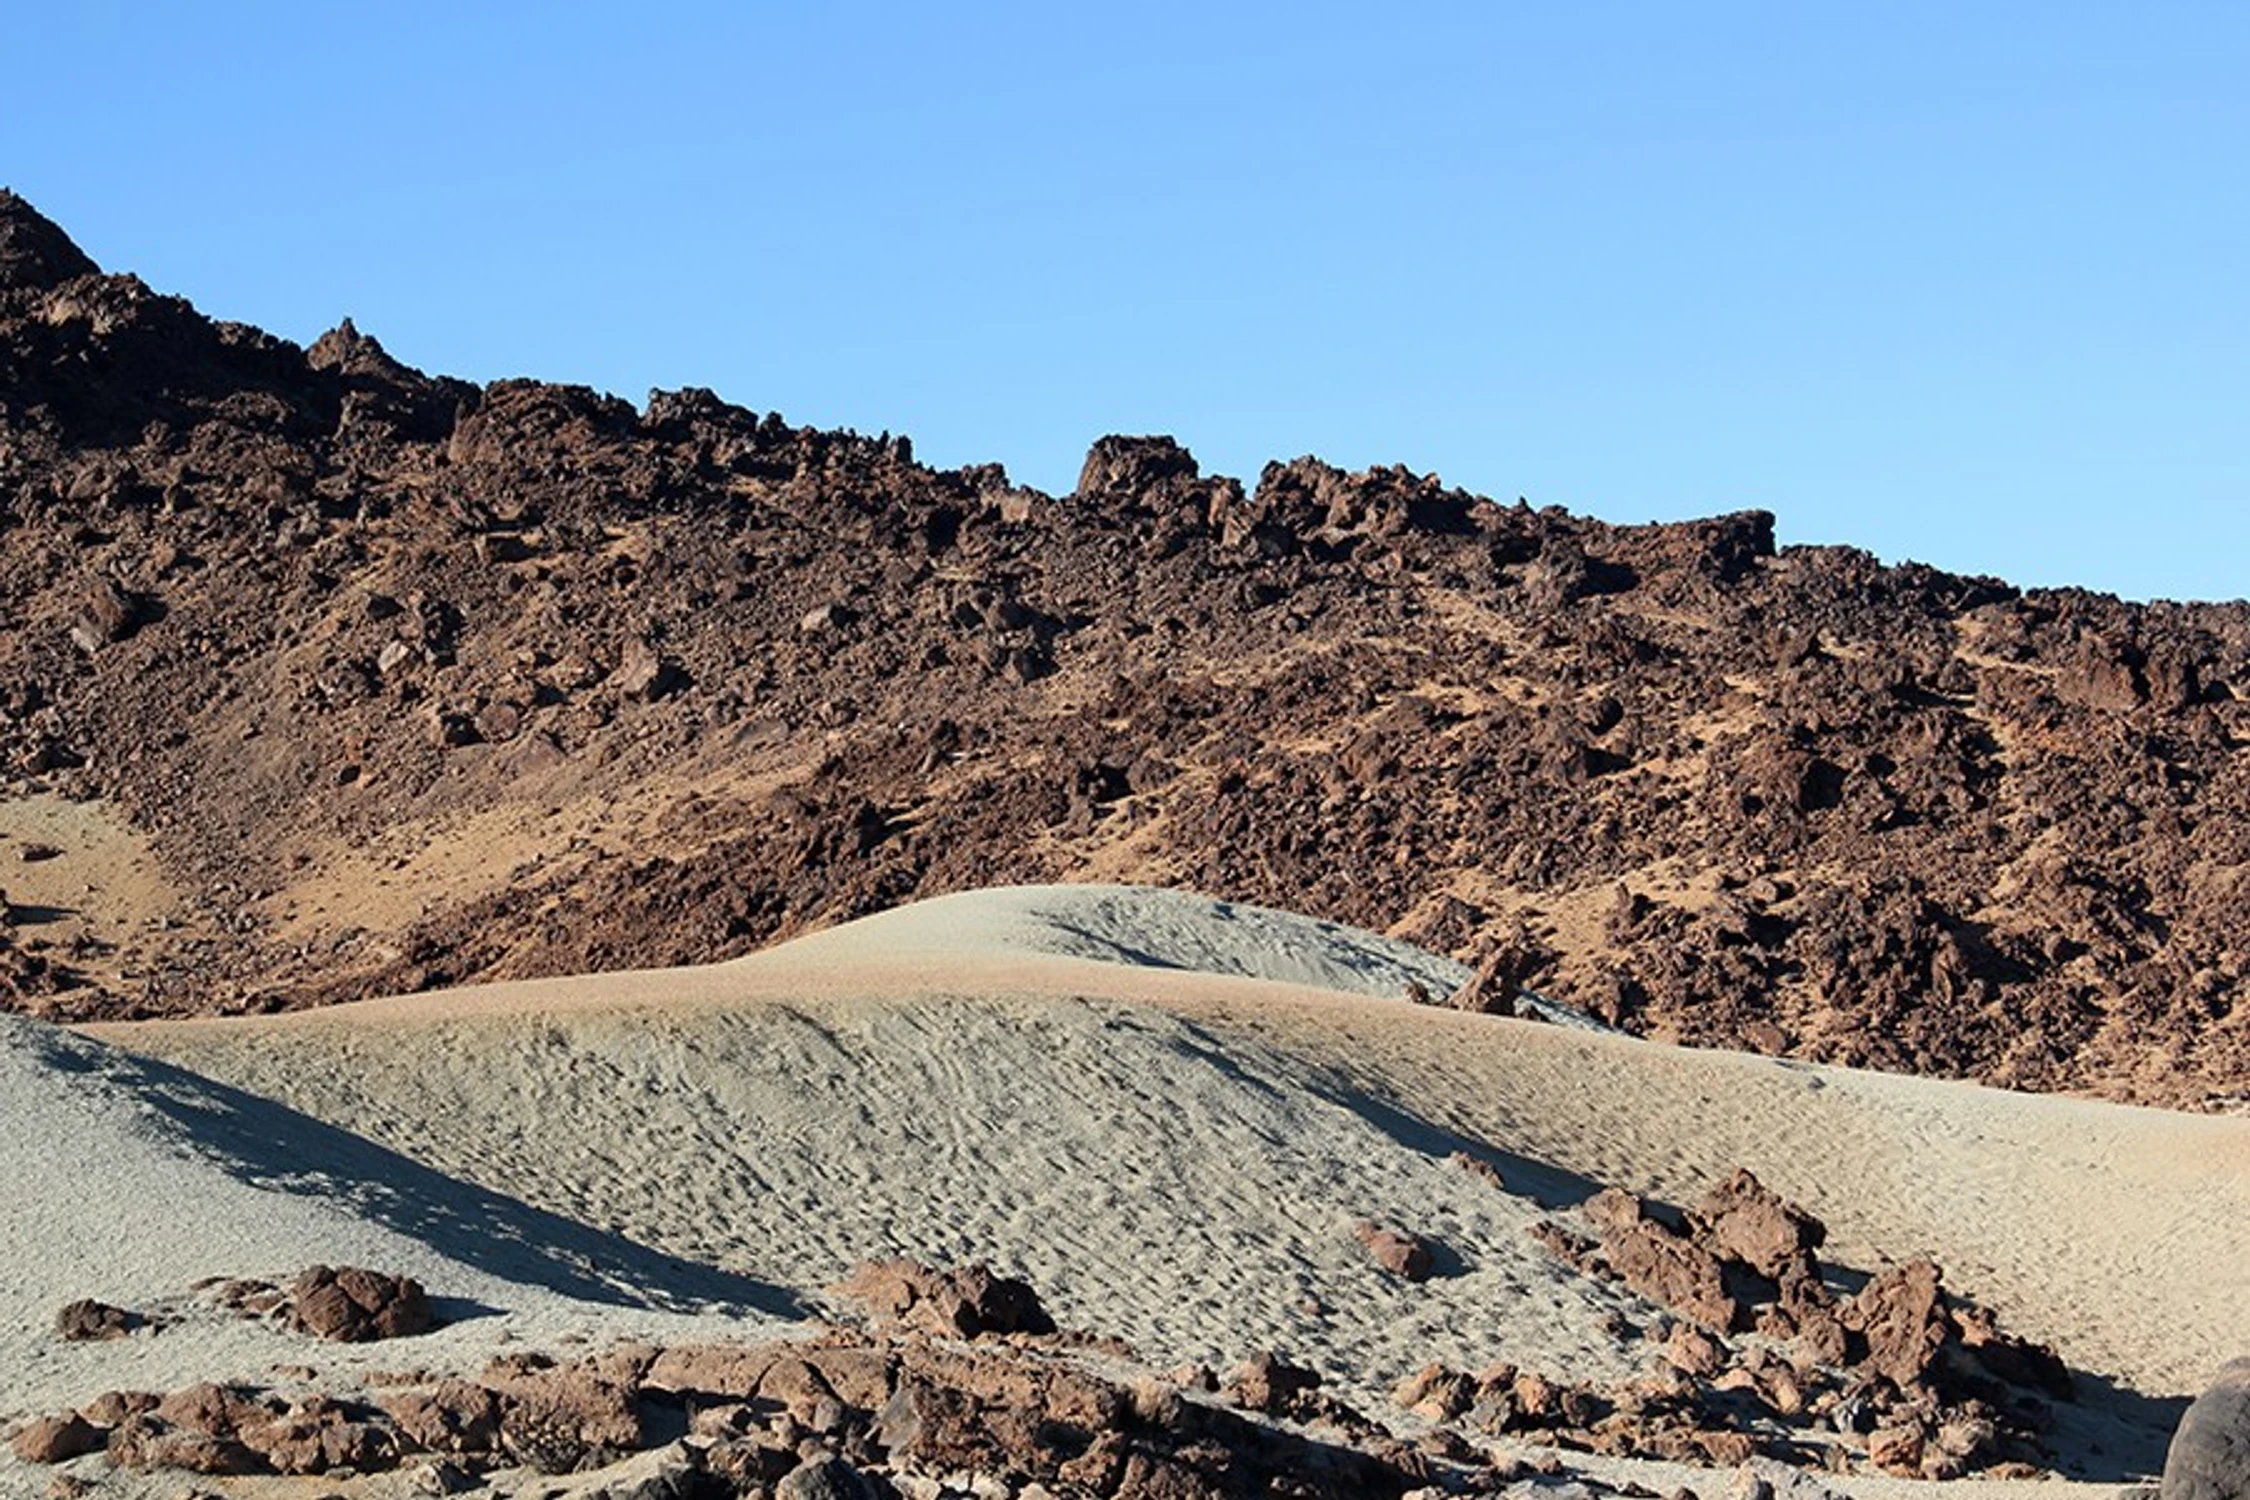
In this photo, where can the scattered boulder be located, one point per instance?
(1942, 1388)
(1268, 1383)
(86, 1320)
(54, 1440)
(2210, 1454)
(1664, 1264)
(842, 1414)
(963, 1302)
(1404, 1255)
(352, 1305)
(1901, 1315)
(1745, 1220)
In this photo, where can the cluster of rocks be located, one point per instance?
(948, 1394)
(1767, 1357)
(344, 1304)
(271, 602)
(961, 1385)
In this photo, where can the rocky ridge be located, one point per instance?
(405, 682)
(958, 1383)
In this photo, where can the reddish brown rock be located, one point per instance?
(1436, 1393)
(207, 1407)
(349, 1304)
(147, 1441)
(1268, 1383)
(1692, 1351)
(111, 1408)
(457, 1416)
(1902, 1316)
(1744, 1220)
(1671, 1269)
(561, 1418)
(1401, 1254)
(963, 1302)
(54, 1440)
(318, 1436)
(87, 1319)
(713, 1370)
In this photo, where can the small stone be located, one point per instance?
(86, 1320)
(54, 1440)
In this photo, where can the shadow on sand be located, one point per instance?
(1547, 1185)
(271, 1146)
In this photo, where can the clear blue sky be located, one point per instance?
(1966, 283)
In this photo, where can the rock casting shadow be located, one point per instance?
(273, 1147)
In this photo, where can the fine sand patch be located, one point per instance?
(129, 1180)
(1110, 1093)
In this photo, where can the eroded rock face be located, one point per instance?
(2210, 1454)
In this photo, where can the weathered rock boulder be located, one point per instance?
(1747, 1221)
(1662, 1263)
(1901, 1314)
(57, 1439)
(962, 1302)
(1401, 1254)
(86, 1320)
(352, 1305)
(558, 1419)
(2210, 1454)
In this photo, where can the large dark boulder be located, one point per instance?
(2210, 1456)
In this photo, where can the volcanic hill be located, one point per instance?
(323, 678)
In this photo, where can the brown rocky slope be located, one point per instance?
(400, 682)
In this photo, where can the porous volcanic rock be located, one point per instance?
(86, 1320)
(352, 1305)
(957, 1302)
(1934, 1383)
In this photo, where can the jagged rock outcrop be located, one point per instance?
(1770, 1358)
(725, 679)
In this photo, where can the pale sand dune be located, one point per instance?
(1176, 1156)
(128, 1181)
